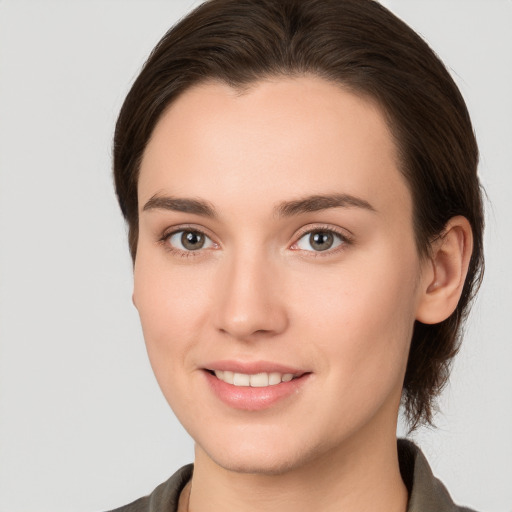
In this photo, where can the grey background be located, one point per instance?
(83, 425)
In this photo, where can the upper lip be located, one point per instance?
(253, 367)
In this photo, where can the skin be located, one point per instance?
(258, 290)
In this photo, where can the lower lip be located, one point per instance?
(254, 399)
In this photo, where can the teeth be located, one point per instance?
(274, 378)
(258, 380)
(241, 379)
(228, 377)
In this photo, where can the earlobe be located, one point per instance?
(444, 278)
(133, 300)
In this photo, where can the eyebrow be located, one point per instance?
(181, 204)
(316, 203)
(307, 204)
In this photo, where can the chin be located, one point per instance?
(259, 464)
(260, 457)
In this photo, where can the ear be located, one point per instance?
(444, 272)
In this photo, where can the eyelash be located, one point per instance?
(164, 240)
(344, 239)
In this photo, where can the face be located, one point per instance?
(276, 275)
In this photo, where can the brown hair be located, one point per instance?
(363, 47)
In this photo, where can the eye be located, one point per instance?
(187, 240)
(319, 240)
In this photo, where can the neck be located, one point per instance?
(362, 475)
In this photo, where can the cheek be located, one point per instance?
(171, 302)
(362, 317)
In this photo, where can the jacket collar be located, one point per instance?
(426, 492)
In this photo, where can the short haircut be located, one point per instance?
(365, 49)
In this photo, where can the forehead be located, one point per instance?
(279, 138)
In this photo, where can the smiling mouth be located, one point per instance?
(257, 380)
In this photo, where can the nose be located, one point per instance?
(250, 304)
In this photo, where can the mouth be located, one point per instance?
(254, 387)
(255, 380)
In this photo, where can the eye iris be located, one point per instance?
(321, 240)
(192, 240)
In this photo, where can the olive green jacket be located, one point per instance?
(426, 493)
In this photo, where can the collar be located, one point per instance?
(426, 492)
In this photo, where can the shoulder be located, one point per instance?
(165, 497)
(426, 492)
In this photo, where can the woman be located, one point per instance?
(305, 221)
